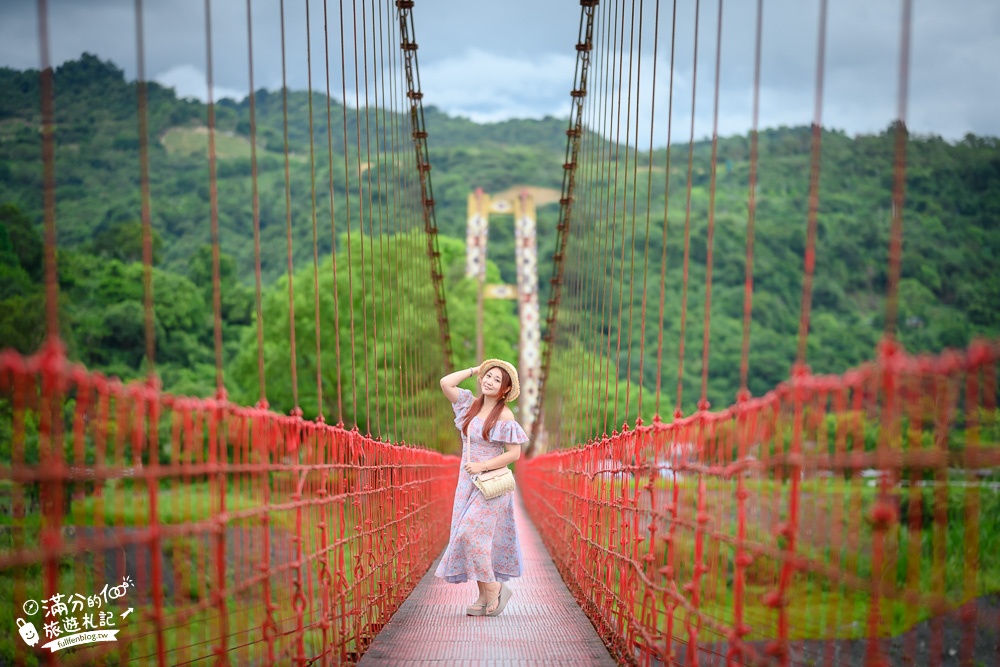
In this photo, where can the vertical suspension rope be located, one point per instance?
(333, 216)
(751, 212)
(361, 217)
(347, 196)
(288, 223)
(678, 409)
(602, 205)
(703, 403)
(255, 194)
(590, 143)
(621, 273)
(604, 359)
(388, 349)
(649, 206)
(609, 231)
(666, 214)
(566, 428)
(215, 446)
(778, 598)
(406, 171)
(213, 190)
(156, 564)
(898, 176)
(809, 263)
(614, 219)
(371, 223)
(49, 423)
(315, 237)
(743, 559)
(631, 282)
(147, 231)
(564, 226)
(591, 146)
(583, 247)
(47, 95)
(400, 363)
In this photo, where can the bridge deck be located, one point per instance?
(542, 624)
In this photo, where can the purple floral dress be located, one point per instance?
(483, 545)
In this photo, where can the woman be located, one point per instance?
(483, 544)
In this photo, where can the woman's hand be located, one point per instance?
(450, 382)
(474, 468)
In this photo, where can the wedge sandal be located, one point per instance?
(505, 593)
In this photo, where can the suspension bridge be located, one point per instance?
(832, 520)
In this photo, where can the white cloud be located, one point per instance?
(489, 86)
(189, 81)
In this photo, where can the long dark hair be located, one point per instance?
(477, 405)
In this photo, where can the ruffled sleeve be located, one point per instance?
(461, 406)
(508, 432)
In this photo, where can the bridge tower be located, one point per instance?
(522, 208)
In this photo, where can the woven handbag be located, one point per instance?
(494, 483)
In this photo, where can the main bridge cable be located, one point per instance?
(419, 130)
(579, 93)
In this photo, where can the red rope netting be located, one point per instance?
(247, 534)
(836, 520)
(197, 529)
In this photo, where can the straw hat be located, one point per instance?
(515, 386)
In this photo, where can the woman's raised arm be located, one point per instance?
(449, 383)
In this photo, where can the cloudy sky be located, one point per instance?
(497, 60)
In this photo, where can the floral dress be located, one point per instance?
(483, 545)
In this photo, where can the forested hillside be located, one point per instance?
(949, 290)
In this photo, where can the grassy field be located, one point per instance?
(194, 141)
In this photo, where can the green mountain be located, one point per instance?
(948, 294)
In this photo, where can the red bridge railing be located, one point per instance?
(244, 536)
(837, 520)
